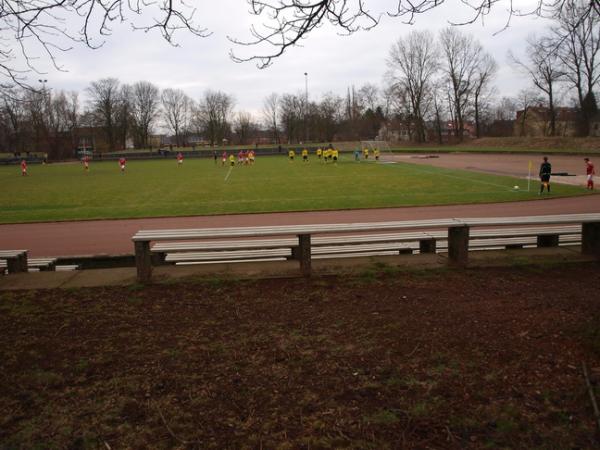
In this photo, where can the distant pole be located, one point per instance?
(306, 105)
(37, 131)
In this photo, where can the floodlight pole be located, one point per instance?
(306, 106)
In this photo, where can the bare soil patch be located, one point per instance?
(439, 359)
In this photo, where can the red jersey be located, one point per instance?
(589, 170)
(179, 157)
(122, 161)
(241, 154)
(86, 159)
(24, 165)
(224, 155)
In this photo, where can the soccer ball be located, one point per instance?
(516, 188)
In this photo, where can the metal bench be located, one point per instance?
(300, 242)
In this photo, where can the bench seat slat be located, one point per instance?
(146, 235)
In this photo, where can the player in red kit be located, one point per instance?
(223, 158)
(86, 163)
(122, 162)
(23, 167)
(589, 171)
(179, 159)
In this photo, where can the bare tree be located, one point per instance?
(462, 58)
(412, 63)
(105, 99)
(543, 67)
(14, 118)
(243, 125)
(271, 115)
(525, 100)
(578, 41)
(35, 30)
(213, 115)
(291, 111)
(144, 111)
(368, 95)
(286, 23)
(176, 111)
(482, 89)
(326, 117)
(506, 109)
(437, 102)
(38, 30)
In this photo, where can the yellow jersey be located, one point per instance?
(319, 152)
(304, 152)
(291, 153)
(335, 153)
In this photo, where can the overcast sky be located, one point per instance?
(333, 62)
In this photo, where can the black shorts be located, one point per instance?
(545, 178)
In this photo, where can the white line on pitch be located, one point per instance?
(228, 173)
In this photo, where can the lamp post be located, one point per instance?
(37, 131)
(306, 105)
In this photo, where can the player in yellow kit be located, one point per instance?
(335, 155)
(304, 155)
(319, 153)
(231, 160)
(291, 155)
(376, 154)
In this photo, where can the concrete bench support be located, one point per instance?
(590, 239)
(547, 240)
(17, 264)
(303, 254)
(427, 245)
(143, 261)
(458, 245)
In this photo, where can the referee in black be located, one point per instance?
(545, 171)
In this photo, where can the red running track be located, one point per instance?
(114, 236)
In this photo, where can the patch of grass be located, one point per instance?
(591, 334)
(382, 417)
(47, 379)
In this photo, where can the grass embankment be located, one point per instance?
(470, 359)
(546, 145)
(199, 187)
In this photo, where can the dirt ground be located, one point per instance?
(516, 165)
(482, 358)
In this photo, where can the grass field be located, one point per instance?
(160, 188)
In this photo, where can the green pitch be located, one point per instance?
(199, 187)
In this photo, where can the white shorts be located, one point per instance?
(180, 161)
(122, 166)
(590, 177)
